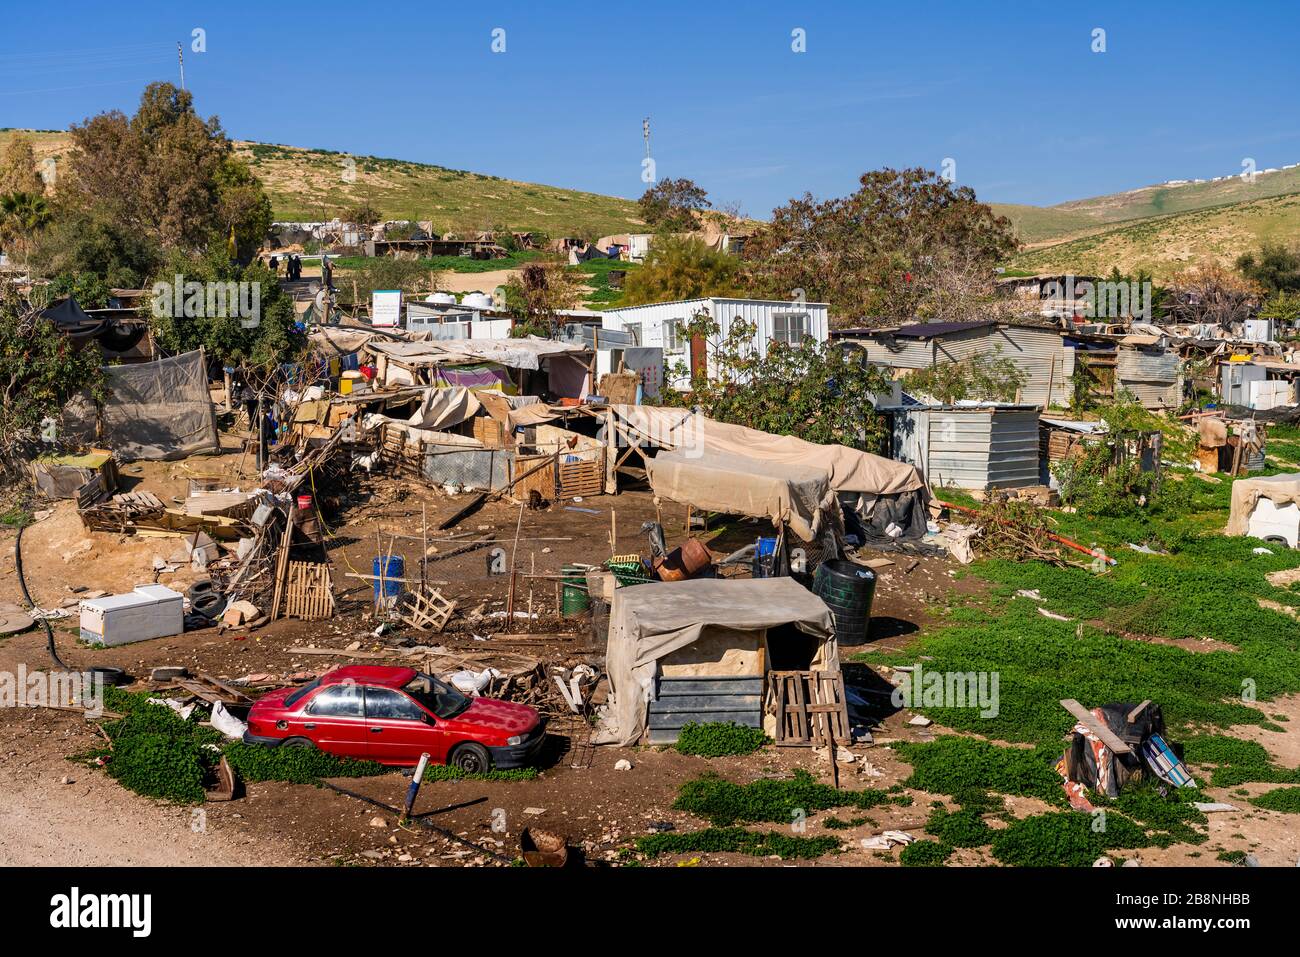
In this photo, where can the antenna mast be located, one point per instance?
(180, 58)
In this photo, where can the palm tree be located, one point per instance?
(22, 216)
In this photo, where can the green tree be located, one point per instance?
(40, 369)
(1282, 306)
(814, 391)
(78, 243)
(679, 267)
(164, 174)
(536, 294)
(22, 217)
(987, 377)
(671, 205)
(389, 272)
(1275, 268)
(18, 172)
(208, 316)
(874, 255)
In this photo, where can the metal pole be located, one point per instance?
(414, 789)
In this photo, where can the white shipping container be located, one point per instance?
(150, 611)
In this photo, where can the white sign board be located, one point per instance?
(386, 307)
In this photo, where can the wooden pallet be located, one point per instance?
(810, 708)
(581, 478)
(425, 609)
(309, 592)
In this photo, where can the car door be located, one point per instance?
(399, 730)
(335, 719)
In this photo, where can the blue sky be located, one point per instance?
(1011, 92)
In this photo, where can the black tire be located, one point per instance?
(297, 743)
(471, 758)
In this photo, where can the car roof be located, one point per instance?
(380, 675)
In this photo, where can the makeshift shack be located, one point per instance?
(972, 446)
(705, 651)
(1266, 507)
(155, 410)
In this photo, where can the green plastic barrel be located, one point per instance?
(573, 596)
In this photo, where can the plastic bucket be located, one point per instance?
(847, 589)
(573, 595)
(394, 568)
(304, 502)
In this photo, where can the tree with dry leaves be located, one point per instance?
(536, 293)
(1210, 293)
(18, 172)
(875, 255)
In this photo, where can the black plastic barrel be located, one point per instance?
(847, 589)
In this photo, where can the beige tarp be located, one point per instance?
(648, 622)
(849, 469)
(443, 408)
(1281, 489)
(155, 410)
(526, 353)
(796, 495)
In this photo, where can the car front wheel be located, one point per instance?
(472, 759)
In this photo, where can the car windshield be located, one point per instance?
(440, 698)
(297, 696)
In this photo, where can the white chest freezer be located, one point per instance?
(150, 611)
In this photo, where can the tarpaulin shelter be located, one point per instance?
(1281, 491)
(155, 410)
(707, 628)
(798, 496)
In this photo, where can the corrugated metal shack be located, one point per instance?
(976, 446)
(1038, 351)
(1147, 366)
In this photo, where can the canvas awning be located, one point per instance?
(849, 470)
(526, 353)
(798, 496)
(648, 622)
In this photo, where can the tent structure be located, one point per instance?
(799, 496)
(720, 629)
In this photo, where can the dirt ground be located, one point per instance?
(91, 820)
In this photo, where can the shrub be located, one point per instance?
(1281, 799)
(715, 840)
(716, 739)
(925, 854)
(723, 802)
(160, 767)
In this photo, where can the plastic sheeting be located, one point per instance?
(849, 470)
(443, 408)
(1280, 489)
(155, 410)
(797, 495)
(648, 622)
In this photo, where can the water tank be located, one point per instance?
(477, 300)
(847, 588)
(441, 298)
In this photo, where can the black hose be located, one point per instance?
(22, 583)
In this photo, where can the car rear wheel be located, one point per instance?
(297, 743)
(472, 759)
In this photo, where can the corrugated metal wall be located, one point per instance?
(1154, 376)
(1039, 353)
(970, 448)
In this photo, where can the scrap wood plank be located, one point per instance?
(1133, 715)
(425, 609)
(309, 592)
(342, 653)
(282, 566)
(1096, 726)
(212, 690)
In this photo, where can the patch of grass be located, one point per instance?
(723, 802)
(714, 840)
(837, 824)
(1281, 799)
(256, 762)
(1064, 839)
(925, 854)
(1231, 857)
(964, 828)
(715, 739)
(445, 772)
(966, 766)
(1235, 761)
(160, 767)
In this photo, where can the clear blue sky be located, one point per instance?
(1011, 91)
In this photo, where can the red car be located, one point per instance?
(392, 715)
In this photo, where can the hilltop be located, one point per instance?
(310, 184)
